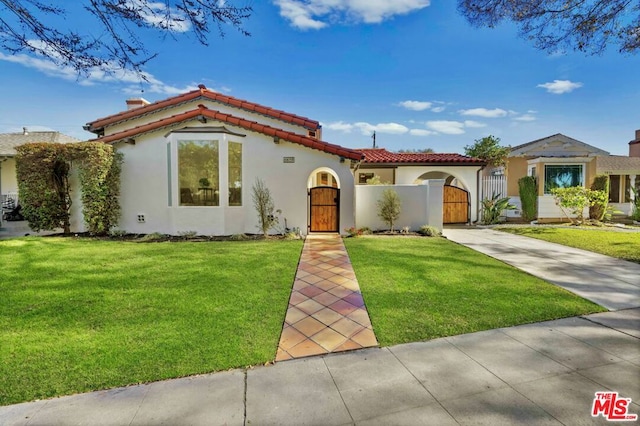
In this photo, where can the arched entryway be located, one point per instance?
(324, 201)
(456, 200)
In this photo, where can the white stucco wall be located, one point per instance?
(8, 178)
(421, 205)
(145, 184)
(467, 176)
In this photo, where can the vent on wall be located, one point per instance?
(141, 218)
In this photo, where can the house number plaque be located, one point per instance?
(288, 159)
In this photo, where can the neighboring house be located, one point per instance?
(460, 174)
(624, 174)
(8, 143)
(561, 161)
(190, 163)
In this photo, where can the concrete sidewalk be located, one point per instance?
(607, 281)
(545, 373)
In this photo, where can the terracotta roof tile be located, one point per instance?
(382, 156)
(203, 111)
(202, 92)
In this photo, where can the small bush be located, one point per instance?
(117, 233)
(154, 236)
(528, 190)
(187, 234)
(598, 208)
(353, 232)
(493, 207)
(389, 207)
(239, 237)
(429, 231)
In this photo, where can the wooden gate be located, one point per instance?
(324, 209)
(456, 205)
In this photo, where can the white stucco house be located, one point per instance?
(190, 162)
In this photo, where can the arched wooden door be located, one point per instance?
(456, 205)
(324, 210)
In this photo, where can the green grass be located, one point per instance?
(80, 315)
(423, 288)
(623, 245)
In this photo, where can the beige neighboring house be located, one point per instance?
(561, 161)
(8, 144)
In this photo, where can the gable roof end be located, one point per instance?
(97, 126)
(203, 112)
(529, 146)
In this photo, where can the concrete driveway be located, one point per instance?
(607, 281)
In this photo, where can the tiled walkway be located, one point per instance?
(326, 310)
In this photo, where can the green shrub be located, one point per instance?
(528, 190)
(635, 214)
(154, 236)
(493, 207)
(239, 237)
(389, 207)
(429, 231)
(598, 208)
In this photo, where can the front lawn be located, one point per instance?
(423, 288)
(79, 315)
(623, 245)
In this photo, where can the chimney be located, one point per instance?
(135, 103)
(634, 146)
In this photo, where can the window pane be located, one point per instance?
(614, 188)
(198, 173)
(562, 177)
(235, 174)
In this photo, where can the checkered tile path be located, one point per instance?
(326, 311)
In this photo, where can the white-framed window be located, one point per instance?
(198, 173)
(235, 173)
(562, 176)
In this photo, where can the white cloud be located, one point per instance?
(160, 16)
(421, 132)
(484, 112)
(368, 128)
(416, 105)
(438, 109)
(446, 127)
(526, 117)
(340, 126)
(474, 124)
(96, 76)
(314, 14)
(558, 87)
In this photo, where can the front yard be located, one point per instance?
(79, 314)
(621, 244)
(423, 288)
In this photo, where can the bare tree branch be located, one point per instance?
(116, 42)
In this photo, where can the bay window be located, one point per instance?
(198, 173)
(562, 176)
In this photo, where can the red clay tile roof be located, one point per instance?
(382, 156)
(202, 92)
(203, 111)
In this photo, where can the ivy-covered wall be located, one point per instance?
(45, 193)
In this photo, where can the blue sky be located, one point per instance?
(412, 70)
